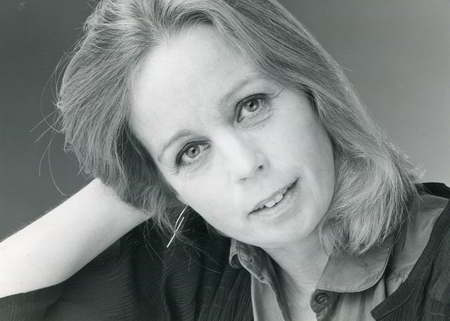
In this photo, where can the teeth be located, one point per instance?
(278, 197)
(269, 204)
(275, 200)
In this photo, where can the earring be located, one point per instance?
(178, 223)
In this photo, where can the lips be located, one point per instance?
(272, 197)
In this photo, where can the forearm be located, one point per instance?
(58, 244)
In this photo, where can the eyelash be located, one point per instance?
(257, 97)
(178, 161)
(262, 101)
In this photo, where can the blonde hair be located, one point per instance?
(374, 182)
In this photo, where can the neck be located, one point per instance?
(300, 265)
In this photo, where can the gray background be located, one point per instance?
(397, 53)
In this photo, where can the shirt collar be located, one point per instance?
(350, 273)
(346, 273)
(254, 259)
(342, 273)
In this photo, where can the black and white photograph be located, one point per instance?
(225, 160)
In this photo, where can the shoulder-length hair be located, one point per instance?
(374, 182)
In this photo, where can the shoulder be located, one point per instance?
(439, 241)
(436, 289)
(437, 253)
(439, 284)
(422, 254)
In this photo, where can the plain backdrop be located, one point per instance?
(397, 54)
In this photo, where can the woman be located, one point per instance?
(274, 195)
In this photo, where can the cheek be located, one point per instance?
(203, 193)
(216, 203)
(309, 148)
(320, 175)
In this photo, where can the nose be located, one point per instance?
(242, 157)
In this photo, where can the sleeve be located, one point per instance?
(81, 294)
(29, 306)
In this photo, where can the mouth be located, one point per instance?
(275, 199)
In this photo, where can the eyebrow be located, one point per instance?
(182, 133)
(185, 132)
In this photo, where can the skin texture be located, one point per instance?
(248, 138)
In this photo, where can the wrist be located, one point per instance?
(114, 207)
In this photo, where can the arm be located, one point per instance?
(58, 244)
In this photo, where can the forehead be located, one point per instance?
(181, 81)
(186, 62)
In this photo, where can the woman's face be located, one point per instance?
(229, 140)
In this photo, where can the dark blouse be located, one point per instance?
(137, 280)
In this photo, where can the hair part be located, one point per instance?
(374, 182)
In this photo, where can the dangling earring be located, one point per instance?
(178, 223)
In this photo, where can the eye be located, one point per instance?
(190, 153)
(251, 107)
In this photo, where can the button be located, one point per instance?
(321, 298)
(322, 303)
